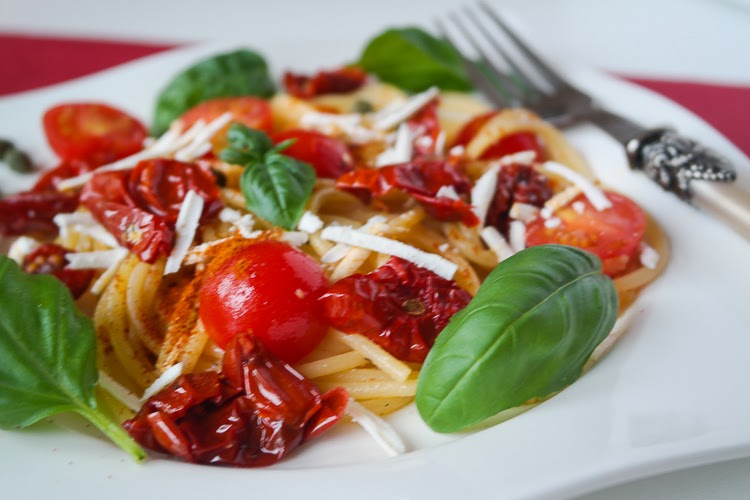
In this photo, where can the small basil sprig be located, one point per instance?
(526, 334)
(414, 60)
(238, 73)
(276, 187)
(47, 355)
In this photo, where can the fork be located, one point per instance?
(671, 160)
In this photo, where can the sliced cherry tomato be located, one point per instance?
(159, 186)
(65, 170)
(92, 132)
(338, 81)
(613, 234)
(328, 156)
(515, 143)
(516, 183)
(253, 413)
(32, 212)
(269, 289)
(253, 112)
(472, 127)
(422, 179)
(509, 144)
(49, 258)
(147, 235)
(425, 125)
(399, 306)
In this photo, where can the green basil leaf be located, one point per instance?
(277, 188)
(47, 355)
(526, 334)
(414, 60)
(238, 73)
(245, 145)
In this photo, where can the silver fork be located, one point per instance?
(668, 158)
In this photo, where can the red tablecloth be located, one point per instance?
(35, 61)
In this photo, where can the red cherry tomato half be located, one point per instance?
(509, 144)
(159, 186)
(328, 156)
(472, 127)
(251, 111)
(49, 258)
(92, 132)
(347, 79)
(612, 234)
(271, 290)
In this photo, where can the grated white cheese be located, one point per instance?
(295, 238)
(552, 222)
(595, 195)
(560, 200)
(389, 118)
(444, 247)
(167, 145)
(456, 151)
(401, 151)
(170, 375)
(22, 247)
(483, 192)
(424, 141)
(229, 215)
(101, 283)
(447, 192)
(350, 236)
(84, 223)
(310, 223)
(200, 144)
(118, 391)
(187, 223)
(99, 259)
(380, 430)
(339, 250)
(350, 125)
(440, 143)
(517, 235)
(523, 212)
(496, 242)
(244, 225)
(521, 157)
(649, 256)
(579, 206)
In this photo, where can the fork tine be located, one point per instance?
(478, 78)
(520, 78)
(552, 76)
(508, 85)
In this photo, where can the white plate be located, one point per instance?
(672, 394)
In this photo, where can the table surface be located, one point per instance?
(696, 41)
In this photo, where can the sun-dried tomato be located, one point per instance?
(253, 413)
(49, 258)
(140, 207)
(347, 79)
(425, 129)
(516, 183)
(399, 306)
(65, 170)
(420, 178)
(32, 212)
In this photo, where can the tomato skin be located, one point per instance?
(253, 413)
(328, 156)
(92, 132)
(613, 234)
(422, 179)
(248, 110)
(159, 186)
(509, 144)
(269, 289)
(347, 79)
(49, 258)
(399, 306)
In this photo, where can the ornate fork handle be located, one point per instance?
(673, 161)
